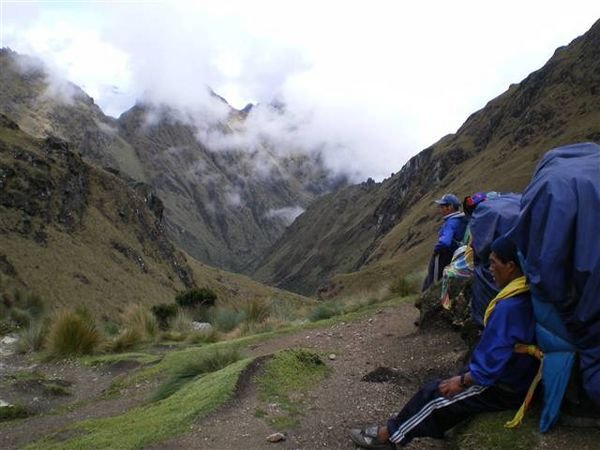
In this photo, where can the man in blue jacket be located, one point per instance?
(450, 236)
(497, 378)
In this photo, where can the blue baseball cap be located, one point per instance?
(449, 199)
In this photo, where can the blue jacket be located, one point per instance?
(451, 232)
(493, 360)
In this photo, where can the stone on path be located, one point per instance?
(276, 437)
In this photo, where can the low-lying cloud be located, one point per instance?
(287, 214)
(366, 86)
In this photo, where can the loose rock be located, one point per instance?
(276, 437)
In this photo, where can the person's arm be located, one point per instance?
(445, 237)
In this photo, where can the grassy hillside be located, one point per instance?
(359, 240)
(79, 236)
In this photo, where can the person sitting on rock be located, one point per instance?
(498, 376)
(450, 236)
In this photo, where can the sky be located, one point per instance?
(369, 84)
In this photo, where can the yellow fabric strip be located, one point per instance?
(515, 287)
(532, 350)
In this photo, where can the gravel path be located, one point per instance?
(384, 347)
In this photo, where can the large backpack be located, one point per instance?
(491, 219)
(557, 236)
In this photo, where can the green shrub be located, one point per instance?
(225, 319)
(72, 333)
(208, 363)
(324, 311)
(196, 297)
(163, 313)
(403, 287)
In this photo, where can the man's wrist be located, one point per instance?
(463, 381)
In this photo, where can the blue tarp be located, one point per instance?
(491, 219)
(558, 234)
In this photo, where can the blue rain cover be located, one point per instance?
(558, 236)
(490, 219)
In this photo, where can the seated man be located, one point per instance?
(497, 378)
(450, 236)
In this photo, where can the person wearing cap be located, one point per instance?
(498, 377)
(450, 236)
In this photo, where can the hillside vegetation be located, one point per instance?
(79, 236)
(367, 235)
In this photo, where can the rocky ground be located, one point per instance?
(377, 362)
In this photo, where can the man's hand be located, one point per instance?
(450, 387)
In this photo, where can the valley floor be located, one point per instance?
(376, 363)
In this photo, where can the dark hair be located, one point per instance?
(506, 250)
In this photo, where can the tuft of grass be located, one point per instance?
(128, 339)
(286, 310)
(251, 328)
(486, 432)
(256, 310)
(56, 389)
(156, 422)
(99, 360)
(325, 310)
(210, 362)
(11, 412)
(20, 317)
(140, 325)
(137, 317)
(72, 333)
(203, 337)
(173, 336)
(181, 322)
(403, 287)
(289, 372)
(35, 306)
(33, 338)
(226, 319)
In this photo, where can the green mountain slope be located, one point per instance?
(366, 236)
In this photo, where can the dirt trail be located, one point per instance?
(385, 349)
(385, 345)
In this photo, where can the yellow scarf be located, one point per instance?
(515, 287)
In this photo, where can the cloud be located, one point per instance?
(288, 214)
(368, 85)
